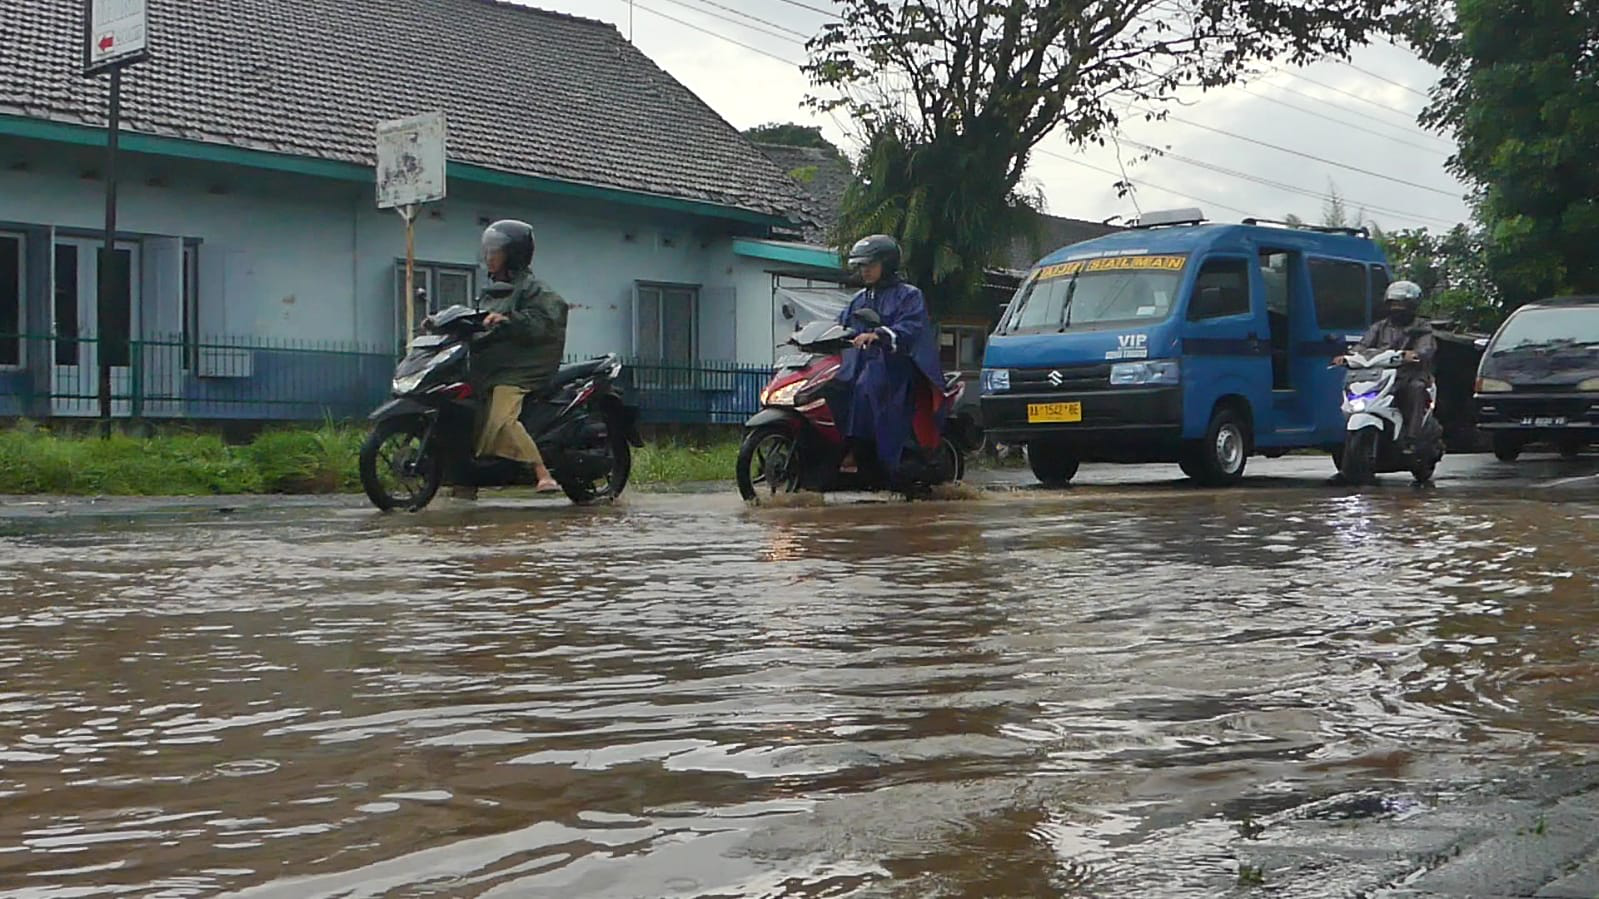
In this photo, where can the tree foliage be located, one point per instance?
(1452, 271)
(1520, 93)
(788, 134)
(952, 97)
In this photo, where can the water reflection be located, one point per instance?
(1030, 695)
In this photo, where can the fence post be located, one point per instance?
(136, 379)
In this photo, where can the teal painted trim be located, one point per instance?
(134, 142)
(155, 145)
(796, 254)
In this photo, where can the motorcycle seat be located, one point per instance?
(577, 371)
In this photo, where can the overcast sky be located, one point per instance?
(1376, 131)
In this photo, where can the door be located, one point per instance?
(1290, 320)
(87, 327)
(1225, 346)
(1339, 312)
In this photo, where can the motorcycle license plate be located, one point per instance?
(1054, 413)
(1557, 421)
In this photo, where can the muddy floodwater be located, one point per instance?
(1089, 694)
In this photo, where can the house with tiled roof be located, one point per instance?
(248, 214)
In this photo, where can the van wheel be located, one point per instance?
(1508, 447)
(1219, 459)
(1052, 466)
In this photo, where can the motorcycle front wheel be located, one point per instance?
(397, 470)
(1358, 464)
(767, 464)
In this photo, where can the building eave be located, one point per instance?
(819, 258)
(245, 157)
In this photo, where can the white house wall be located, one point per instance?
(295, 257)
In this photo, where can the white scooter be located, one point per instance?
(1375, 421)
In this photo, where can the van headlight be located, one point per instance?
(1493, 385)
(1144, 374)
(996, 380)
(1590, 384)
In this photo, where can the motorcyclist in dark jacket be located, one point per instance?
(522, 351)
(1399, 330)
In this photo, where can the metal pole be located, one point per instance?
(108, 252)
(409, 213)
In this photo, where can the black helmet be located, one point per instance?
(876, 248)
(1402, 301)
(515, 238)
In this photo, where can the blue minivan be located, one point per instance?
(1187, 342)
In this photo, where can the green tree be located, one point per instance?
(952, 96)
(791, 135)
(1452, 271)
(1520, 93)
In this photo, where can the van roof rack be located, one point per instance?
(1161, 218)
(1319, 229)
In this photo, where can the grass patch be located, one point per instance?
(679, 463)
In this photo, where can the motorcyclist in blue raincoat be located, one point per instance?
(895, 399)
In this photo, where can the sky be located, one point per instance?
(1345, 126)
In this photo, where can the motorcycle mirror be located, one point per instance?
(1480, 343)
(499, 290)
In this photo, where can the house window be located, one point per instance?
(440, 285)
(1340, 291)
(960, 348)
(66, 303)
(12, 284)
(665, 322)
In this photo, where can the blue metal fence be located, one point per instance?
(289, 380)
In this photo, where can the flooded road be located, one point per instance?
(1095, 693)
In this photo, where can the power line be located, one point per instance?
(1347, 124)
(1279, 185)
(707, 31)
(1339, 106)
(1384, 78)
(767, 22)
(1176, 193)
(826, 12)
(1351, 94)
(1321, 159)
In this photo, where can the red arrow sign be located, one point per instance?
(107, 42)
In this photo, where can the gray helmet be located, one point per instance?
(1405, 295)
(515, 238)
(876, 248)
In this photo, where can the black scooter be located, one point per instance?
(424, 437)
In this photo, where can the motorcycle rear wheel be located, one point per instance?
(602, 490)
(766, 463)
(396, 470)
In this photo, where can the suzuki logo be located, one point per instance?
(1056, 378)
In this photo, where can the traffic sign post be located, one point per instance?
(411, 171)
(116, 34)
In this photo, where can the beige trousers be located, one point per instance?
(503, 434)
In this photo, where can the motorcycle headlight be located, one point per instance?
(410, 382)
(1357, 405)
(784, 396)
(996, 380)
(615, 370)
(1140, 374)
(1493, 385)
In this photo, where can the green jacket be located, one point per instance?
(526, 350)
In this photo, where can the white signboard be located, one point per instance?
(116, 32)
(411, 161)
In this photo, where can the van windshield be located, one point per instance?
(1091, 292)
(1553, 327)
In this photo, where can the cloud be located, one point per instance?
(748, 88)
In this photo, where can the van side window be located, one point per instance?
(1340, 291)
(1221, 289)
(1379, 285)
(1274, 273)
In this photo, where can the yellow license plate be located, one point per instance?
(1046, 413)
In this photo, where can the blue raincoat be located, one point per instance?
(896, 387)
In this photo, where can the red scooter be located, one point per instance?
(794, 445)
